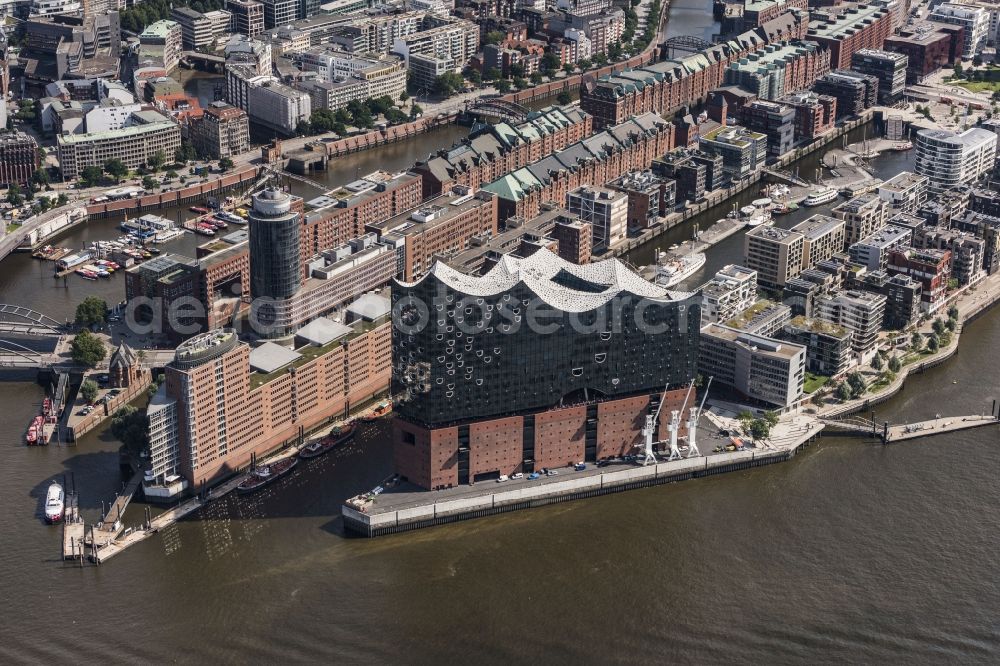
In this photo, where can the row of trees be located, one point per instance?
(356, 114)
(757, 428)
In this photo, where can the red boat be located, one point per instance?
(199, 209)
(265, 474)
(382, 409)
(35, 434)
(337, 436)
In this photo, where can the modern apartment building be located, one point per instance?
(974, 20)
(815, 115)
(822, 237)
(774, 253)
(902, 297)
(222, 131)
(143, 135)
(604, 209)
(280, 12)
(931, 268)
(489, 394)
(368, 78)
(777, 70)
(862, 215)
(853, 91)
(732, 290)
(858, 311)
(967, 251)
(948, 159)
(905, 192)
(743, 151)
(828, 346)
(444, 45)
(888, 67)
(649, 197)
(872, 252)
(776, 121)
(763, 370)
(928, 46)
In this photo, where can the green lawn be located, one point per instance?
(814, 382)
(978, 86)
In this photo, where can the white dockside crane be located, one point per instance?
(693, 425)
(675, 426)
(650, 429)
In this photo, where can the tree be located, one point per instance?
(843, 392)
(91, 311)
(550, 62)
(503, 86)
(569, 68)
(520, 83)
(938, 326)
(88, 391)
(564, 98)
(895, 365)
(62, 199)
(772, 418)
(933, 344)
(536, 78)
(492, 74)
(958, 70)
(494, 37)
(600, 60)
(128, 425)
(41, 176)
(584, 64)
(415, 111)
(745, 418)
(185, 153)
(14, 197)
(475, 77)
(403, 96)
(951, 324)
(916, 341)
(149, 183)
(91, 175)
(157, 161)
(877, 362)
(952, 312)
(760, 429)
(87, 349)
(226, 164)
(448, 84)
(116, 169)
(857, 384)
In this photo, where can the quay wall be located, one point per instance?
(190, 194)
(465, 508)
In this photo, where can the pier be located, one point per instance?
(111, 526)
(890, 434)
(73, 528)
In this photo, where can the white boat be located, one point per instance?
(760, 212)
(54, 504)
(672, 269)
(820, 196)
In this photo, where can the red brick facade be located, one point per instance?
(430, 457)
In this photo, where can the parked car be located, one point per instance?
(503, 477)
(533, 476)
(517, 475)
(551, 472)
(580, 467)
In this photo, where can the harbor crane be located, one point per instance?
(675, 426)
(693, 423)
(650, 428)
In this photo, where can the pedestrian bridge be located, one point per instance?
(19, 319)
(496, 107)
